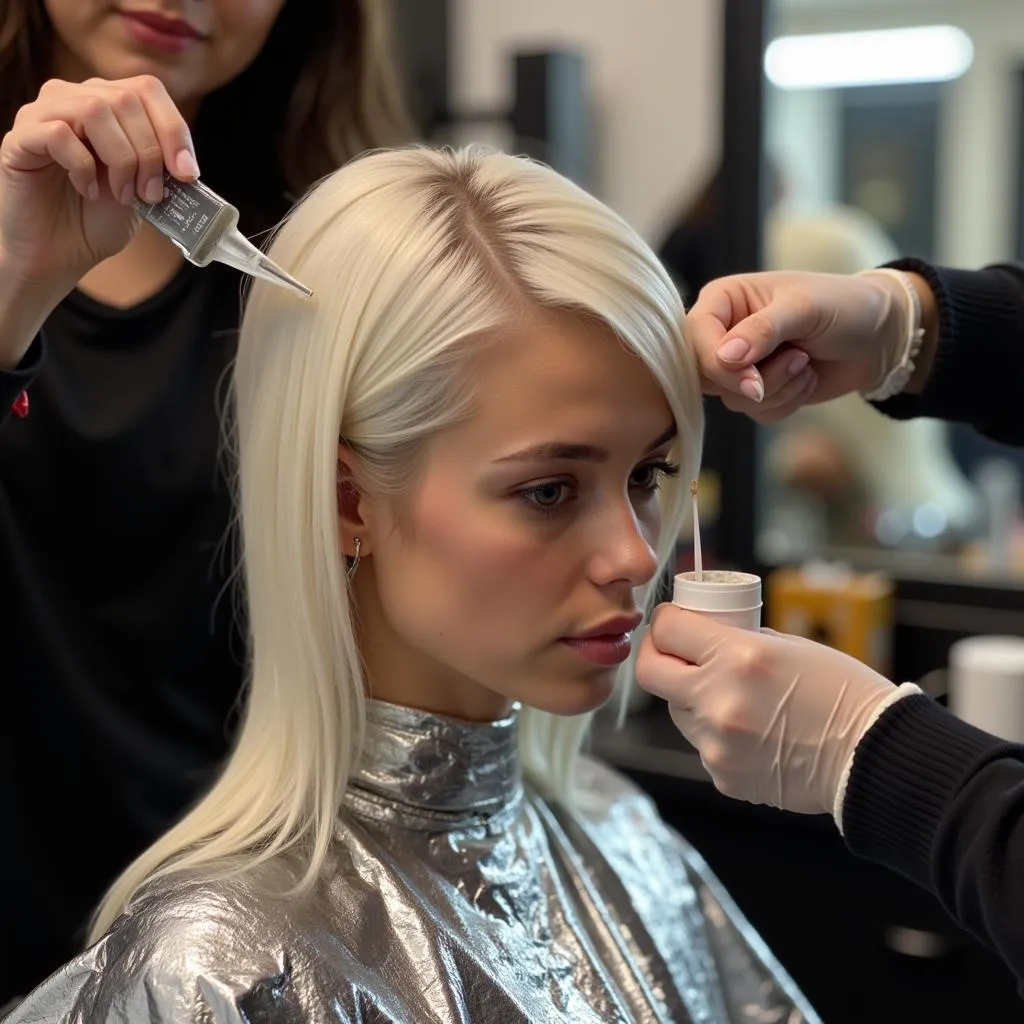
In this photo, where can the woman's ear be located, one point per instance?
(353, 506)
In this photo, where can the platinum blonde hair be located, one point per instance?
(413, 255)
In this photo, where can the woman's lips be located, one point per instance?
(159, 33)
(607, 649)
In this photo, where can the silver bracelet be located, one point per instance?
(899, 376)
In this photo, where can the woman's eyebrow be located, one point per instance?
(668, 434)
(555, 450)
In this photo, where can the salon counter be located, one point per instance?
(863, 943)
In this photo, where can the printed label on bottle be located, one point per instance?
(185, 213)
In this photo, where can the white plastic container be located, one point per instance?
(986, 684)
(732, 598)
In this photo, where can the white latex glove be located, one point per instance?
(813, 337)
(775, 718)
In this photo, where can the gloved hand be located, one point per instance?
(775, 718)
(813, 337)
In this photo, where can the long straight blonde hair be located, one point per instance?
(413, 255)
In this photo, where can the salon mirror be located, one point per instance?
(891, 128)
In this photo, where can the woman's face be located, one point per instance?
(192, 46)
(530, 528)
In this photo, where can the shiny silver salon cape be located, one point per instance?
(453, 893)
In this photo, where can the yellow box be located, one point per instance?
(848, 611)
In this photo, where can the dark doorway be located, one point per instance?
(889, 140)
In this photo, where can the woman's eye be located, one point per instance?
(546, 496)
(648, 477)
(644, 478)
(555, 496)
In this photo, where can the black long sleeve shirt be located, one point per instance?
(121, 655)
(930, 796)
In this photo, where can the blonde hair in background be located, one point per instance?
(833, 240)
(414, 256)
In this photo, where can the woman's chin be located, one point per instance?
(570, 697)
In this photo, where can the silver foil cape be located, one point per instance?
(453, 893)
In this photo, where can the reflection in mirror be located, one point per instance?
(893, 128)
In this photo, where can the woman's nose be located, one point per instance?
(623, 549)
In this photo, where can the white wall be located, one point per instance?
(654, 72)
(976, 172)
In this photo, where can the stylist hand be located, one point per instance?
(70, 167)
(775, 718)
(813, 337)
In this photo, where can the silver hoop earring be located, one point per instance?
(351, 571)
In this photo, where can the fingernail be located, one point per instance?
(94, 190)
(812, 384)
(186, 164)
(128, 194)
(797, 363)
(734, 351)
(753, 388)
(154, 190)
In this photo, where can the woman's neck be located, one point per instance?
(138, 272)
(454, 697)
(398, 673)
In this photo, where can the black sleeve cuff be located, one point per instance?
(906, 775)
(979, 360)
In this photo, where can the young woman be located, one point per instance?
(461, 466)
(118, 666)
